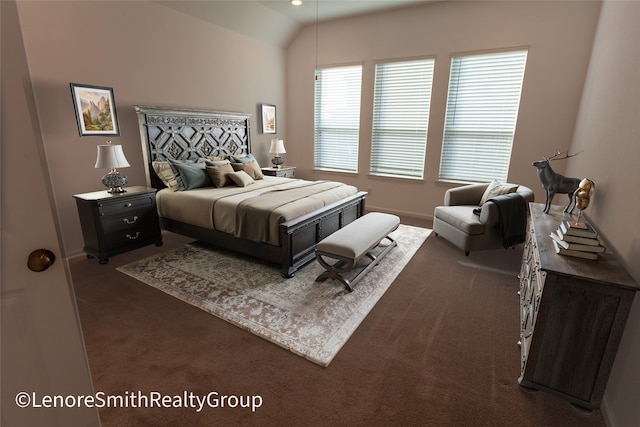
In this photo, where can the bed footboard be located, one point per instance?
(300, 236)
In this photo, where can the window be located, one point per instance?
(480, 122)
(402, 95)
(337, 118)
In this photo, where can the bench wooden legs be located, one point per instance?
(337, 270)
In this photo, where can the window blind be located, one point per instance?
(480, 122)
(402, 96)
(337, 118)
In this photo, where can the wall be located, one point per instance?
(150, 55)
(608, 132)
(559, 36)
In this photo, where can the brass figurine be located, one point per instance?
(583, 197)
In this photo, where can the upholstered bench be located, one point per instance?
(352, 242)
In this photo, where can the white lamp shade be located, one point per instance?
(277, 146)
(111, 157)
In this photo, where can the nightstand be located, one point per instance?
(283, 171)
(117, 223)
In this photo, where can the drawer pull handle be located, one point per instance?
(130, 237)
(127, 205)
(130, 221)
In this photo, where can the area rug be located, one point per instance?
(311, 319)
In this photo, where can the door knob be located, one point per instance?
(40, 259)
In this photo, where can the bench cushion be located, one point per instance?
(359, 237)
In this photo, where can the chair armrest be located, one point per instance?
(489, 214)
(465, 195)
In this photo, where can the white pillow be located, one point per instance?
(497, 189)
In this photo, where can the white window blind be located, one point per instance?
(402, 96)
(337, 118)
(480, 122)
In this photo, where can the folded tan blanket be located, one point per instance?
(280, 199)
(255, 216)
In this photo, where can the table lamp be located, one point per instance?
(277, 148)
(112, 157)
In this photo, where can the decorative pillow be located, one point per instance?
(251, 168)
(166, 174)
(218, 172)
(242, 158)
(497, 189)
(241, 178)
(189, 174)
(211, 159)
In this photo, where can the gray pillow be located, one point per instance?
(242, 159)
(190, 175)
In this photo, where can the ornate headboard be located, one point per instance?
(182, 134)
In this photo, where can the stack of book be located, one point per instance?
(577, 240)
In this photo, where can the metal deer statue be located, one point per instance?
(555, 183)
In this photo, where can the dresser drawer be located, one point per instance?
(115, 207)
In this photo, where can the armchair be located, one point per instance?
(457, 223)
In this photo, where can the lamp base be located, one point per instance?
(115, 181)
(277, 162)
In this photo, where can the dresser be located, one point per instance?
(117, 223)
(572, 315)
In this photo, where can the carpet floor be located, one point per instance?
(312, 319)
(438, 349)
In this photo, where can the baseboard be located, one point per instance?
(606, 415)
(416, 215)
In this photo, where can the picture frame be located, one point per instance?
(268, 118)
(95, 109)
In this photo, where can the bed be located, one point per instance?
(187, 137)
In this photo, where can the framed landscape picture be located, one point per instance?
(95, 110)
(268, 118)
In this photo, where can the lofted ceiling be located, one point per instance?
(276, 21)
(330, 9)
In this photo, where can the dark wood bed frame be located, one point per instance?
(182, 134)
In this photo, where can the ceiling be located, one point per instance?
(331, 9)
(276, 21)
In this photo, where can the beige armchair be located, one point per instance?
(457, 223)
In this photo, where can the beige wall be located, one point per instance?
(559, 36)
(608, 132)
(150, 55)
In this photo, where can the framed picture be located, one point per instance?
(268, 118)
(95, 110)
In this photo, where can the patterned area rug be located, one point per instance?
(311, 319)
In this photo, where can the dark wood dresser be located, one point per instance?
(117, 223)
(572, 315)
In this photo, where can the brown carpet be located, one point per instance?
(438, 349)
(309, 318)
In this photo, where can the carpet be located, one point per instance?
(311, 319)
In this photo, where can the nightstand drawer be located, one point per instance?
(123, 206)
(135, 219)
(282, 172)
(131, 237)
(289, 173)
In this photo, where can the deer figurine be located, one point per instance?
(554, 183)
